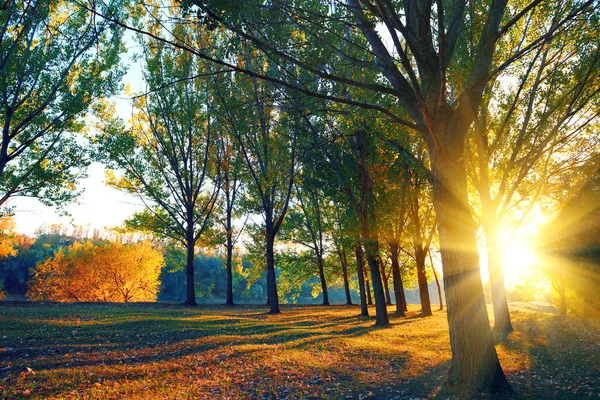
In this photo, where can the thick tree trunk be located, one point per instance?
(398, 287)
(381, 317)
(271, 278)
(422, 279)
(229, 266)
(344, 261)
(386, 287)
(475, 364)
(364, 310)
(502, 321)
(322, 278)
(190, 298)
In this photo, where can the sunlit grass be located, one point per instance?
(158, 351)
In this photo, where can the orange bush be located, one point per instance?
(106, 272)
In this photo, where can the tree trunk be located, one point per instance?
(422, 279)
(502, 321)
(229, 267)
(271, 278)
(386, 287)
(437, 283)
(368, 227)
(369, 297)
(322, 278)
(563, 297)
(398, 287)
(381, 317)
(190, 299)
(364, 310)
(475, 364)
(344, 261)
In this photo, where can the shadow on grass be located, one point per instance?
(241, 352)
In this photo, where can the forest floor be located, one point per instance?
(106, 351)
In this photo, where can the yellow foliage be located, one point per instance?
(7, 237)
(108, 272)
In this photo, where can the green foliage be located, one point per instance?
(56, 63)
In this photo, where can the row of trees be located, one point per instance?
(375, 118)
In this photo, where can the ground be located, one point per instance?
(168, 351)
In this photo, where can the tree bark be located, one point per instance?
(437, 283)
(502, 321)
(322, 278)
(344, 261)
(475, 364)
(422, 279)
(271, 278)
(369, 297)
(229, 266)
(398, 287)
(364, 310)
(386, 287)
(190, 299)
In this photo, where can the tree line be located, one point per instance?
(367, 130)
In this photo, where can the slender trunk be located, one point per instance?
(475, 364)
(422, 279)
(271, 278)
(398, 287)
(190, 298)
(229, 301)
(368, 226)
(563, 297)
(369, 297)
(386, 287)
(322, 278)
(437, 283)
(344, 262)
(502, 321)
(364, 310)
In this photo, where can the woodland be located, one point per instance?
(425, 171)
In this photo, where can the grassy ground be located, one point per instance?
(161, 351)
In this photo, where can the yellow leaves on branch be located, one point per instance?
(7, 239)
(109, 272)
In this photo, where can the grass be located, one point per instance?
(166, 351)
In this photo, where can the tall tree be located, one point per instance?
(56, 61)
(530, 129)
(268, 139)
(168, 154)
(231, 178)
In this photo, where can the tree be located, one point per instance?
(104, 272)
(168, 154)
(422, 230)
(231, 179)
(267, 134)
(570, 247)
(528, 133)
(56, 61)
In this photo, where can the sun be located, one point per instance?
(519, 262)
